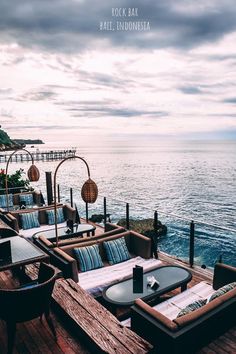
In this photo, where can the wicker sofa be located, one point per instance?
(15, 199)
(94, 281)
(47, 245)
(188, 333)
(68, 212)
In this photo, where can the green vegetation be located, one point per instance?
(15, 180)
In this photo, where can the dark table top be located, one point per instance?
(22, 252)
(78, 230)
(169, 278)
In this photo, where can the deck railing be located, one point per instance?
(190, 240)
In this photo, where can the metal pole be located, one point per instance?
(58, 193)
(105, 210)
(191, 244)
(87, 218)
(127, 216)
(49, 187)
(155, 236)
(71, 197)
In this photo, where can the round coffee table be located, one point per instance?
(169, 278)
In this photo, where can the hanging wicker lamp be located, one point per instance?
(33, 173)
(89, 191)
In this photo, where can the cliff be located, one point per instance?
(6, 143)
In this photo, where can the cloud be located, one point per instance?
(230, 100)
(190, 90)
(72, 26)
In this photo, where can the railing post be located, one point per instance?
(127, 216)
(58, 193)
(87, 218)
(71, 197)
(191, 244)
(155, 236)
(105, 210)
(49, 187)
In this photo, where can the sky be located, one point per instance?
(69, 71)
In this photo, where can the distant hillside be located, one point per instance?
(6, 143)
(28, 141)
(4, 138)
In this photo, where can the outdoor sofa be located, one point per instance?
(95, 280)
(31, 198)
(169, 334)
(67, 212)
(46, 245)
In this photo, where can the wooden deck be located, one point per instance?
(35, 337)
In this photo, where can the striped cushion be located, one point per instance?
(51, 218)
(27, 198)
(3, 200)
(88, 258)
(116, 250)
(30, 220)
(192, 307)
(223, 290)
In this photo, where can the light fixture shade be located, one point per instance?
(89, 191)
(33, 173)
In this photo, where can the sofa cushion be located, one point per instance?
(29, 220)
(51, 216)
(96, 280)
(3, 200)
(116, 251)
(223, 290)
(27, 199)
(171, 307)
(192, 307)
(88, 258)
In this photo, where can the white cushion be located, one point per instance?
(30, 232)
(94, 281)
(170, 308)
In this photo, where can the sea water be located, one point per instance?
(194, 180)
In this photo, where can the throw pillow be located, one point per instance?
(192, 307)
(30, 220)
(116, 250)
(223, 290)
(3, 200)
(27, 199)
(88, 258)
(51, 216)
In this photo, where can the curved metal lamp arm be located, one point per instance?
(55, 188)
(7, 165)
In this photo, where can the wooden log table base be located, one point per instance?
(95, 324)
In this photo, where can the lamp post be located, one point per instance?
(33, 172)
(89, 191)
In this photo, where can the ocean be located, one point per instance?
(194, 180)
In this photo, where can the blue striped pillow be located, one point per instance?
(192, 307)
(30, 220)
(223, 290)
(51, 216)
(27, 198)
(3, 200)
(88, 258)
(116, 250)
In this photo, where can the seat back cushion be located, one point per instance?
(88, 258)
(223, 290)
(29, 220)
(51, 216)
(27, 199)
(116, 250)
(3, 200)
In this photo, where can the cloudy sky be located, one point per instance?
(66, 76)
